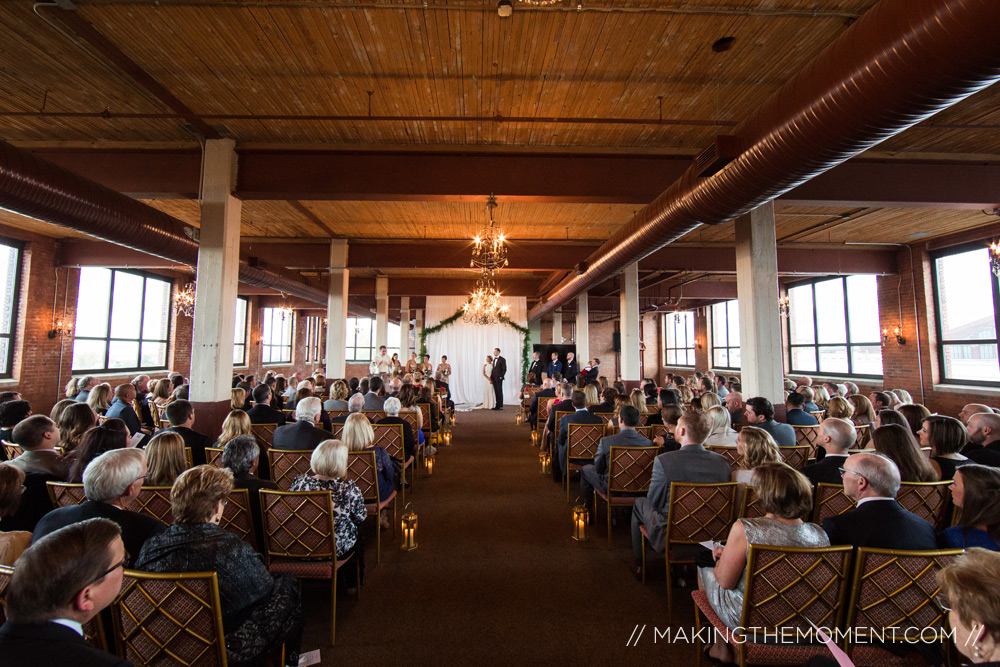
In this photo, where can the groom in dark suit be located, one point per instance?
(499, 371)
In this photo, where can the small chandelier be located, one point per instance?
(490, 251)
(184, 300)
(284, 310)
(484, 305)
(995, 259)
(782, 306)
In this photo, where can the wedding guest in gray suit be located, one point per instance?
(373, 401)
(595, 476)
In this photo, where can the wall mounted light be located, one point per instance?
(896, 333)
(782, 306)
(995, 259)
(61, 329)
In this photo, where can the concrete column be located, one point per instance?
(557, 330)
(404, 329)
(336, 310)
(582, 329)
(631, 369)
(418, 326)
(218, 270)
(381, 312)
(757, 289)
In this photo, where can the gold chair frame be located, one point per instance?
(64, 494)
(390, 437)
(930, 501)
(287, 464)
(830, 500)
(11, 450)
(237, 517)
(796, 456)
(582, 441)
(362, 469)
(730, 453)
(213, 456)
(807, 435)
(630, 470)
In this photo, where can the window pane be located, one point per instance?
(671, 358)
(722, 357)
(800, 314)
(88, 354)
(123, 354)
(719, 325)
(92, 306)
(734, 357)
(804, 358)
(862, 305)
(126, 303)
(239, 354)
(833, 359)
(240, 334)
(734, 323)
(266, 354)
(965, 293)
(153, 354)
(972, 362)
(9, 266)
(866, 360)
(155, 314)
(4, 349)
(830, 323)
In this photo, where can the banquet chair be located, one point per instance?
(213, 456)
(64, 494)
(797, 456)
(154, 501)
(582, 441)
(730, 453)
(237, 517)
(808, 435)
(630, 470)
(928, 500)
(830, 500)
(390, 438)
(362, 469)
(287, 464)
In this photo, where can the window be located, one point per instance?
(10, 287)
(678, 331)
(360, 345)
(315, 340)
(122, 321)
(726, 335)
(833, 327)
(276, 336)
(967, 298)
(240, 335)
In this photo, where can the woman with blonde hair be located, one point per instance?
(339, 393)
(165, 459)
(864, 411)
(903, 395)
(238, 398)
(822, 397)
(72, 388)
(757, 447)
(638, 401)
(621, 401)
(592, 392)
(100, 398)
(709, 400)
(722, 433)
(237, 423)
(970, 594)
(686, 395)
(839, 408)
(359, 436)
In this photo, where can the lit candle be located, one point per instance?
(430, 466)
(579, 528)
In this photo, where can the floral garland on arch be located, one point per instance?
(448, 321)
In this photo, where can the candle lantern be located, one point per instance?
(580, 518)
(409, 529)
(518, 417)
(447, 437)
(534, 438)
(546, 460)
(429, 465)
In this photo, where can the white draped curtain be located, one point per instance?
(467, 346)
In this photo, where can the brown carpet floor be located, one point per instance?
(496, 579)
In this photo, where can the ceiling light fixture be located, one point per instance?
(490, 251)
(484, 307)
(504, 8)
(184, 300)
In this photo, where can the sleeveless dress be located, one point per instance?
(489, 398)
(728, 603)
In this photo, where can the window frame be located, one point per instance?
(941, 342)
(692, 348)
(272, 346)
(727, 347)
(145, 275)
(246, 334)
(350, 358)
(15, 304)
(817, 345)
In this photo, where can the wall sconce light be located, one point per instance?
(896, 333)
(184, 300)
(61, 329)
(782, 306)
(995, 259)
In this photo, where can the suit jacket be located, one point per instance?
(499, 369)
(300, 435)
(126, 413)
(987, 456)
(555, 367)
(591, 375)
(561, 406)
(543, 394)
(691, 463)
(34, 503)
(603, 408)
(579, 417)
(136, 528)
(826, 471)
(409, 438)
(254, 484)
(799, 417)
(196, 441)
(572, 370)
(46, 462)
(624, 438)
(810, 407)
(536, 368)
(50, 644)
(882, 524)
(374, 402)
(783, 434)
(265, 414)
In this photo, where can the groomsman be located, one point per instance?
(555, 366)
(536, 368)
(571, 369)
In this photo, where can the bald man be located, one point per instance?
(984, 431)
(836, 436)
(972, 409)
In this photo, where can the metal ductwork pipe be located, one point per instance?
(39, 189)
(901, 63)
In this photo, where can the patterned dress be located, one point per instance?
(348, 507)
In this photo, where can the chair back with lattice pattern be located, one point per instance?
(820, 415)
(264, 434)
(630, 470)
(699, 512)
(807, 435)
(543, 410)
(337, 413)
(11, 450)
(797, 456)
(734, 457)
(645, 431)
(390, 438)
(749, 505)
(298, 524)
(582, 441)
(287, 464)
(337, 432)
(5, 574)
(529, 393)
(213, 456)
(787, 587)
(374, 415)
(237, 517)
(830, 500)
(63, 494)
(425, 413)
(154, 501)
(154, 412)
(557, 420)
(410, 417)
(862, 431)
(170, 619)
(896, 589)
(362, 469)
(930, 501)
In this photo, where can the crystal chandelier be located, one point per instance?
(490, 251)
(995, 259)
(484, 305)
(184, 300)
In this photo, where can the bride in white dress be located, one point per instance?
(489, 398)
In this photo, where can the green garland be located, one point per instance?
(524, 331)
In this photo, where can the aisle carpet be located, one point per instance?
(496, 579)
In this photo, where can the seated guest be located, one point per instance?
(914, 414)
(621, 400)
(373, 399)
(984, 439)
(809, 394)
(57, 410)
(83, 387)
(946, 436)
(691, 463)
(709, 400)
(9, 396)
(833, 389)
(425, 395)
(392, 407)
(13, 542)
(307, 392)
(304, 433)
(839, 407)
(595, 475)
(262, 412)
(970, 588)
(162, 393)
(822, 397)
(61, 583)
(548, 391)
(836, 436)
(13, 413)
(238, 398)
(888, 416)
(734, 403)
(794, 412)
(111, 481)
(339, 394)
(872, 481)
(360, 437)
(564, 403)
(38, 436)
(74, 422)
(756, 447)
(235, 424)
(592, 392)
(974, 492)
(591, 372)
(670, 414)
(121, 408)
(579, 416)
(784, 495)
(760, 413)
(181, 393)
(180, 414)
(260, 611)
(650, 392)
(356, 403)
(686, 394)
(99, 399)
(897, 443)
(112, 434)
(722, 432)
(720, 386)
(880, 401)
(165, 458)
(329, 466)
(242, 457)
(864, 413)
(606, 404)
(973, 409)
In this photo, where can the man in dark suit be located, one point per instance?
(121, 408)
(180, 414)
(607, 404)
(356, 403)
(592, 371)
(759, 412)
(555, 366)
(548, 391)
(536, 367)
(794, 414)
(373, 401)
(262, 412)
(497, 376)
(571, 369)
(61, 582)
(836, 436)
(392, 406)
(809, 395)
(304, 433)
(111, 481)
(580, 416)
(984, 439)
(564, 404)
(596, 475)
(872, 481)
(691, 463)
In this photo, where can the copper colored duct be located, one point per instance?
(901, 63)
(39, 189)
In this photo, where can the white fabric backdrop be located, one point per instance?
(467, 346)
